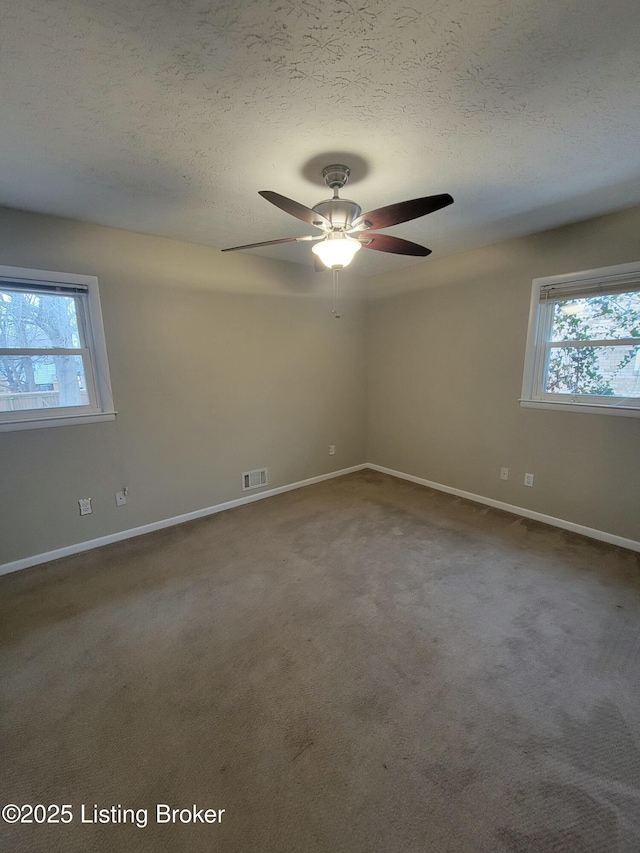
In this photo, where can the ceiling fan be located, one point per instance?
(345, 229)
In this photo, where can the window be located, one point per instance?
(53, 358)
(583, 347)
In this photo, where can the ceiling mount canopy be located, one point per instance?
(336, 177)
(345, 229)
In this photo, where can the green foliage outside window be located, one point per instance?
(592, 369)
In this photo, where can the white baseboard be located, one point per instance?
(591, 532)
(27, 562)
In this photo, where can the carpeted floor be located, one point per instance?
(363, 665)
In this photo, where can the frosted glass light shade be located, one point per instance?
(336, 251)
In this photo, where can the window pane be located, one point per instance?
(601, 371)
(38, 321)
(597, 318)
(42, 382)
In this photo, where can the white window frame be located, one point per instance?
(619, 278)
(94, 354)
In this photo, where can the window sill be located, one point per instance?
(60, 420)
(588, 408)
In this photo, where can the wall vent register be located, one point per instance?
(255, 479)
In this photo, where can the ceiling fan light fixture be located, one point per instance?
(337, 250)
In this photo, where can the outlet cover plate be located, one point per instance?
(85, 506)
(528, 480)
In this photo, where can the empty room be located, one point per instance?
(320, 426)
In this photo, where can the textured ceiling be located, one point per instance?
(167, 116)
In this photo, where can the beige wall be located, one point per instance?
(445, 373)
(219, 364)
(224, 363)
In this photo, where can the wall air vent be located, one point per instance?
(255, 479)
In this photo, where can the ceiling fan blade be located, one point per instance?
(295, 209)
(395, 245)
(393, 214)
(271, 243)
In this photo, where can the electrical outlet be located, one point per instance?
(332, 450)
(504, 473)
(121, 497)
(528, 480)
(85, 506)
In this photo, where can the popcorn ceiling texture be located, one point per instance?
(168, 117)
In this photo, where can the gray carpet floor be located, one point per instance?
(362, 665)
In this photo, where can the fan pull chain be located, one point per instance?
(335, 294)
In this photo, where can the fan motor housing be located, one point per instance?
(340, 212)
